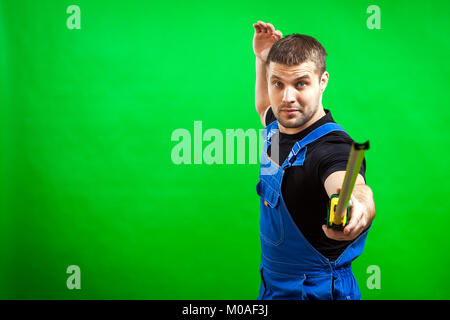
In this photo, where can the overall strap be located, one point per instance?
(268, 132)
(298, 152)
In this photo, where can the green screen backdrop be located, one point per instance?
(87, 116)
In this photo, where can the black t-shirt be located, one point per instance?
(303, 186)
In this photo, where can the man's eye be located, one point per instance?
(276, 84)
(301, 84)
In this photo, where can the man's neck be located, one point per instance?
(319, 114)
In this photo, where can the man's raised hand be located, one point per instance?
(264, 38)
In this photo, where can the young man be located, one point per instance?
(300, 257)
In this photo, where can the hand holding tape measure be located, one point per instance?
(339, 208)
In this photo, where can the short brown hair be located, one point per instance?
(298, 48)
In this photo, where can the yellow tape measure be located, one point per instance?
(339, 209)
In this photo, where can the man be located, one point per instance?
(300, 257)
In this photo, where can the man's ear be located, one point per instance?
(324, 81)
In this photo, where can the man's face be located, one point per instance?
(295, 92)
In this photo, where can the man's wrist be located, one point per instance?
(364, 196)
(260, 60)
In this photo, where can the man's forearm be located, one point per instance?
(261, 94)
(364, 195)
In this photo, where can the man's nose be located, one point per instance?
(288, 96)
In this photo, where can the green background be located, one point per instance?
(86, 121)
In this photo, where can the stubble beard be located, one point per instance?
(301, 119)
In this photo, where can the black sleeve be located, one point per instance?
(270, 117)
(334, 157)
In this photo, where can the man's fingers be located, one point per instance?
(267, 28)
(353, 223)
(340, 235)
(270, 28)
(263, 26)
(353, 232)
(334, 234)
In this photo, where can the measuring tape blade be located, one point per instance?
(353, 166)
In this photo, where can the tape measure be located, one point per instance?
(338, 214)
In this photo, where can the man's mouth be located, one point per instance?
(291, 111)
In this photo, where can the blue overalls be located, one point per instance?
(291, 268)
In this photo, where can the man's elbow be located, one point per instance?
(262, 111)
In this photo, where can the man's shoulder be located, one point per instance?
(330, 153)
(333, 142)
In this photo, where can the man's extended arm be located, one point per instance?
(362, 208)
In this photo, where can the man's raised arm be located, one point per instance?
(265, 36)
